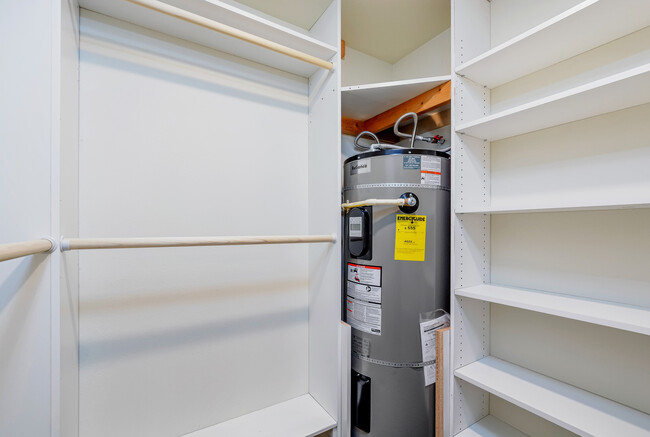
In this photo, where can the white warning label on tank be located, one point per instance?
(364, 316)
(431, 170)
(364, 292)
(363, 296)
(368, 275)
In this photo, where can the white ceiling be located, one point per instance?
(391, 29)
(302, 13)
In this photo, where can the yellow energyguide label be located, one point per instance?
(410, 237)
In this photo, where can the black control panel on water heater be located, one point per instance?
(359, 232)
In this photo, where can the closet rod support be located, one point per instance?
(190, 17)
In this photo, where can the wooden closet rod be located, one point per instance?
(135, 243)
(184, 15)
(26, 248)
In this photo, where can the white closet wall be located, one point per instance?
(25, 214)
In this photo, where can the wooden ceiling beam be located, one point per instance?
(350, 126)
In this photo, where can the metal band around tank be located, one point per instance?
(395, 185)
(391, 364)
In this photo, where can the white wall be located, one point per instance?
(178, 140)
(25, 160)
(432, 58)
(509, 18)
(359, 68)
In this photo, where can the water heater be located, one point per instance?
(396, 283)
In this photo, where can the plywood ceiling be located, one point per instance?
(302, 13)
(391, 29)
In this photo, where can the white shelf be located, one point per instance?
(577, 410)
(490, 426)
(227, 14)
(613, 93)
(595, 21)
(614, 315)
(362, 102)
(298, 417)
(516, 209)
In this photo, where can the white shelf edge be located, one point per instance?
(362, 102)
(599, 21)
(396, 83)
(230, 15)
(490, 426)
(611, 314)
(554, 208)
(552, 110)
(570, 407)
(298, 417)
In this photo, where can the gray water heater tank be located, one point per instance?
(396, 275)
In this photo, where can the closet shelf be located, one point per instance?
(229, 15)
(560, 207)
(613, 93)
(577, 410)
(595, 21)
(490, 426)
(301, 416)
(362, 102)
(612, 314)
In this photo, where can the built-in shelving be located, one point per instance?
(229, 15)
(362, 102)
(490, 426)
(577, 410)
(558, 207)
(299, 417)
(613, 93)
(595, 21)
(612, 314)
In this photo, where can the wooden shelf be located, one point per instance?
(298, 417)
(574, 206)
(616, 92)
(595, 21)
(490, 426)
(577, 410)
(227, 14)
(362, 102)
(612, 314)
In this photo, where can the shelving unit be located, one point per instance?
(612, 314)
(362, 102)
(170, 343)
(620, 91)
(299, 417)
(572, 408)
(555, 40)
(490, 426)
(229, 15)
(577, 206)
(522, 243)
